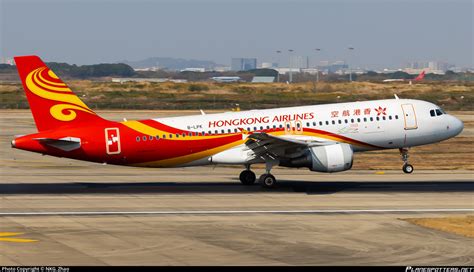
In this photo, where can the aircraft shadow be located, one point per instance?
(284, 186)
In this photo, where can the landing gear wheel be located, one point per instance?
(408, 168)
(247, 177)
(267, 181)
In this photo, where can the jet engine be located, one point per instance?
(326, 158)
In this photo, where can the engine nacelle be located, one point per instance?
(326, 158)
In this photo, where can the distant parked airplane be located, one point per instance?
(418, 78)
(322, 138)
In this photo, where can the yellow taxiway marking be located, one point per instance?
(6, 237)
(380, 173)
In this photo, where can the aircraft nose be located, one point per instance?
(457, 126)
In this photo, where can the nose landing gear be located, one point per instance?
(407, 168)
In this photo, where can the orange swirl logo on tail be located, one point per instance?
(45, 84)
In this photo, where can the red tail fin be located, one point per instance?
(52, 103)
(420, 76)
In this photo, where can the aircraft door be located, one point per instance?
(409, 116)
(288, 129)
(112, 141)
(298, 127)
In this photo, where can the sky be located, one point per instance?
(383, 33)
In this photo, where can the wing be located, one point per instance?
(266, 146)
(65, 144)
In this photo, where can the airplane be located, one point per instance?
(420, 77)
(322, 138)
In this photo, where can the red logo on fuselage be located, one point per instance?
(380, 111)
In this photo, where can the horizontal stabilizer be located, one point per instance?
(65, 144)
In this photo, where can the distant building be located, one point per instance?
(263, 79)
(7, 61)
(243, 64)
(149, 69)
(156, 80)
(436, 67)
(269, 65)
(299, 62)
(199, 70)
(222, 68)
(334, 67)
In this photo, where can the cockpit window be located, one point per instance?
(438, 112)
(432, 113)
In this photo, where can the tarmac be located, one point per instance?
(56, 211)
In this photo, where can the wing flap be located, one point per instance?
(265, 145)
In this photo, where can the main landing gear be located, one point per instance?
(247, 177)
(407, 168)
(267, 180)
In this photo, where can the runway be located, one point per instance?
(184, 216)
(204, 212)
(55, 211)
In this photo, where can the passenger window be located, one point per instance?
(254, 128)
(191, 134)
(274, 126)
(365, 119)
(171, 136)
(339, 121)
(314, 123)
(281, 126)
(383, 117)
(333, 122)
(163, 136)
(138, 139)
(438, 112)
(327, 122)
(346, 121)
(144, 138)
(389, 117)
(177, 135)
(216, 131)
(396, 117)
(261, 128)
(432, 113)
(320, 123)
(378, 118)
(358, 120)
(352, 120)
(151, 138)
(268, 127)
(307, 124)
(371, 119)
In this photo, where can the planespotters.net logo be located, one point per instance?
(438, 269)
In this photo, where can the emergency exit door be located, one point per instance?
(112, 141)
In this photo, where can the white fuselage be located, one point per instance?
(368, 125)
